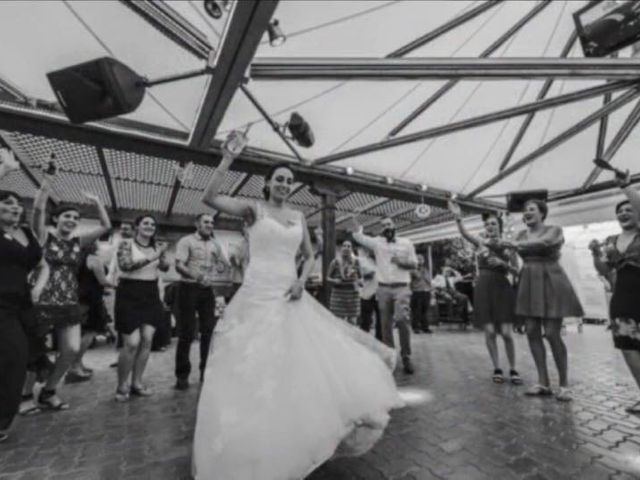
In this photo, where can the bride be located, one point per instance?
(287, 385)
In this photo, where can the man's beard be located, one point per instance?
(389, 233)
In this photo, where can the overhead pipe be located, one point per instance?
(559, 139)
(479, 120)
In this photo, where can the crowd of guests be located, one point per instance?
(52, 290)
(53, 282)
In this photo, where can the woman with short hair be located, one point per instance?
(545, 295)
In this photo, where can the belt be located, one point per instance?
(393, 285)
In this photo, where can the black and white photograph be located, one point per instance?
(319, 239)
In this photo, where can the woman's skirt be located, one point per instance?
(137, 303)
(544, 291)
(345, 301)
(494, 300)
(56, 316)
(625, 309)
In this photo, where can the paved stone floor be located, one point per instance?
(458, 424)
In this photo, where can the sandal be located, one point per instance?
(498, 377)
(121, 396)
(50, 401)
(28, 406)
(564, 395)
(515, 377)
(633, 409)
(140, 391)
(539, 391)
(76, 377)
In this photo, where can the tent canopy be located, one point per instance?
(345, 113)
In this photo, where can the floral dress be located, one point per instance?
(58, 303)
(625, 307)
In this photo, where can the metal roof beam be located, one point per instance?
(107, 178)
(541, 95)
(253, 161)
(442, 29)
(486, 53)
(249, 20)
(559, 139)
(621, 136)
(364, 209)
(438, 68)
(480, 120)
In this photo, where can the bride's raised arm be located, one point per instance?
(224, 203)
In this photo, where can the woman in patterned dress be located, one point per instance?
(494, 296)
(621, 260)
(58, 303)
(344, 274)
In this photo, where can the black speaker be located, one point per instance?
(516, 200)
(98, 89)
(300, 130)
(607, 26)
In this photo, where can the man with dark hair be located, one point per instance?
(197, 257)
(395, 258)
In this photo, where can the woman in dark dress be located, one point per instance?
(545, 295)
(58, 303)
(494, 296)
(138, 307)
(344, 275)
(19, 255)
(621, 259)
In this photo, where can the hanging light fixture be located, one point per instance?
(348, 170)
(213, 9)
(276, 37)
(226, 4)
(300, 130)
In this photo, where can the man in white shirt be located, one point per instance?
(395, 258)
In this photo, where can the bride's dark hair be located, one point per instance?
(265, 190)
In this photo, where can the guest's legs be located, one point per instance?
(68, 349)
(552, 328)
(492, 345)
(366, 314)
(386, 305)
(378, 324)
(509, 344)
(85, 342)
(186, 323)
(426, 303)
(142, 355)
(632, 359)
(207, 319)
(402, 317)
(415, 312)
(13, 366)
(534, 335)
(128, 351)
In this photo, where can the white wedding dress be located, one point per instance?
(287, 384)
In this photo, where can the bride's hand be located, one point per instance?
(295, 291)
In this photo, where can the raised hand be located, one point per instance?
(92, 197)
(8, 159)
(594, 246)
(235, 143)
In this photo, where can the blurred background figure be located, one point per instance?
(344, 276)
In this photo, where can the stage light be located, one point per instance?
(213, 9)
(389, 180)
(276, 37)
(423, 188)
(300, 130)
(348, 170)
